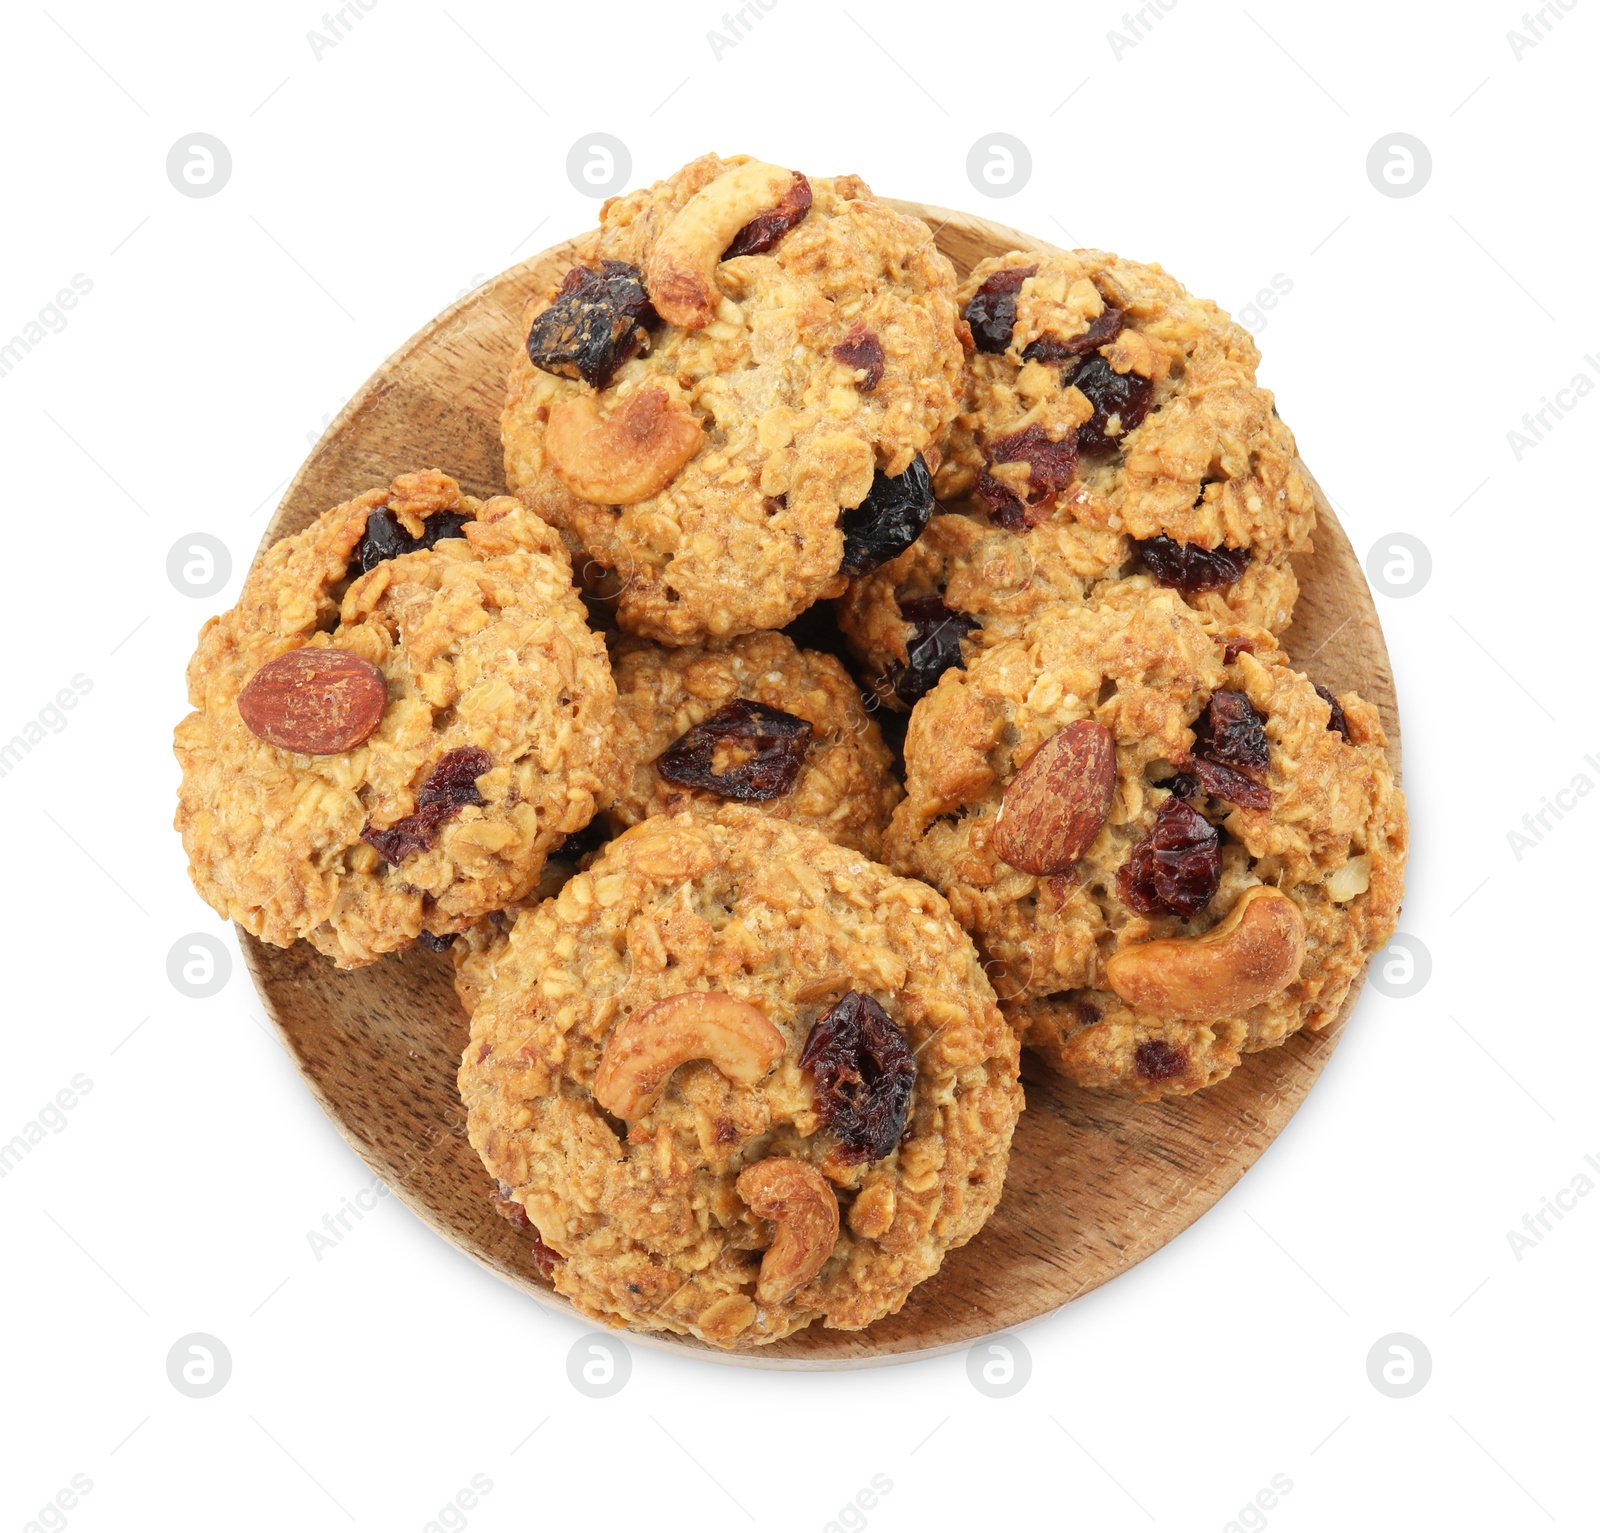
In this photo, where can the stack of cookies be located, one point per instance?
(869, 675)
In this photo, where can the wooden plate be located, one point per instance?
(1096, 1183)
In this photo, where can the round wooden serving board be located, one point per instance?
(1096, 1183)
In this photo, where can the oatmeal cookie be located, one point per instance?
(698, 424)
(686, 736)
(740, 1079)
(402, 715)
(1101, 390)
(968, 581)
(1118, 777)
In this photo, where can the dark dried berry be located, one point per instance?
(437, 944)
(862, 350)
(1336, 719)
(544, 1259)
(598, 320)
(385, 538)
(1123, 397)
(933, 647)
(1233, 648)
(1088, 1013)
(1051, 468)
(1104, 327)
(1157, 1060)
(450, 787)
(889, 520)
(766, 229)
(508, 1208)
(1228, 783)
(1180, 786)
(1188, 568)
(745, 751)
(864, 1072)
(1176, 868)
(1231, 732)
(991, 312)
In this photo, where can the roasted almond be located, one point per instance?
(1055, 806)
(315, 701)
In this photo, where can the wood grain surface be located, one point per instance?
(1096, 1183)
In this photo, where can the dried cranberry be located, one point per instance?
(1124, 397)
(1229, 783)
(1176, 868)
(1088, 1013)
(864, 1073)
(768, 745)
(1233, 648)
(1051, 468)
(544, 1259)
(933, 647)
(508, 1208)
(1105, 326)
(437, 944)
(889, 520)
(862, 350)
(1336, 719)
(1157, 1060)
(1191, 569)
(598, 320)
(1231, 732)
(385, 538)
(1180, 786)
(766, 229)
(450, 787)
(992, 311)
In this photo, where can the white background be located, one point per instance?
(427, 150)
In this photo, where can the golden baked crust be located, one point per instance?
(746, 535)
(1211, 464)
(482, 643)
(648, 1220)
(1141, 663)
(1002, 580)
(846, 788)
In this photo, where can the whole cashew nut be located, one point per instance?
(624, 457)
(1247, 958)
(681, 272)
(644, 1049)
(802, 1207)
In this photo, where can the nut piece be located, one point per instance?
(317, 701)
(1244, 960)
(681, 274)
(644, 1049)
(1054, 807)
(802, 1207)
(626, 456)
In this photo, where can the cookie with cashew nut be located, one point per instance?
(741, 1079)
(1172, 846)
(967, 580)
(1102, 391)
(687, 738)
(738, 386)
(402, 715)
